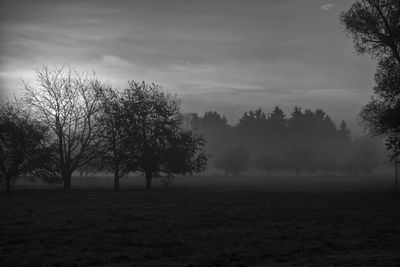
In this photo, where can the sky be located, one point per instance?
(222, 55)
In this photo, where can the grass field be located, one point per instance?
(202, 225)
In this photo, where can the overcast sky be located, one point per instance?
(227, 56)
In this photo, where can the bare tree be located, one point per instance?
(66, 101)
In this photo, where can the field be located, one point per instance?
(330, 222)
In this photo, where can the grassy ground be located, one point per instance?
(199, 226)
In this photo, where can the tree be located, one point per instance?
(375, 28)
(184, 155)
(216, 130)
(300, 158)
(381, 115)
(269, 163)
(161, 146)
(67, 102)
(21, 143)
(299, 151)
(92, 167)
(344, 132)
(251, 132)
(363, 157)
(382, 118)
(118, 143)
(235, 161)
(393, 144)
(277, 121)
(327, 163)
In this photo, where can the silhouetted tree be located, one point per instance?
(216, 131)
(234, 160)
(375, 28)
(393, 144)
(66, 102)
(119, 144)
(312, 132)
(326, 141)
(314, 141)
(21, 143)
(253, 121)
(381, 115)
(277, 122)
(161, 146)
(184, 154)
(298, 152)
(251, 132)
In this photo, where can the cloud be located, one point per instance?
(327, 7)
(201, 87)
(188, 66)
(111, 61)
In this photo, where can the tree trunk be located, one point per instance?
(396, 166)
(149, 176)
(8, 181)
(116, 182)
(67, 181)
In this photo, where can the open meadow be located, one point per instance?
(201, 224)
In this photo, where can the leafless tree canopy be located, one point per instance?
(66, 101)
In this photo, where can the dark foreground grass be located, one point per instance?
(199, 226)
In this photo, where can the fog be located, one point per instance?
(272, 143)
(305, 150)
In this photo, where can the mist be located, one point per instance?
(199, 133)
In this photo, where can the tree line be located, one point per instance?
(68, 120)
(305, 141)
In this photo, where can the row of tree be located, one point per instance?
(305, 141)
(69, 120)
